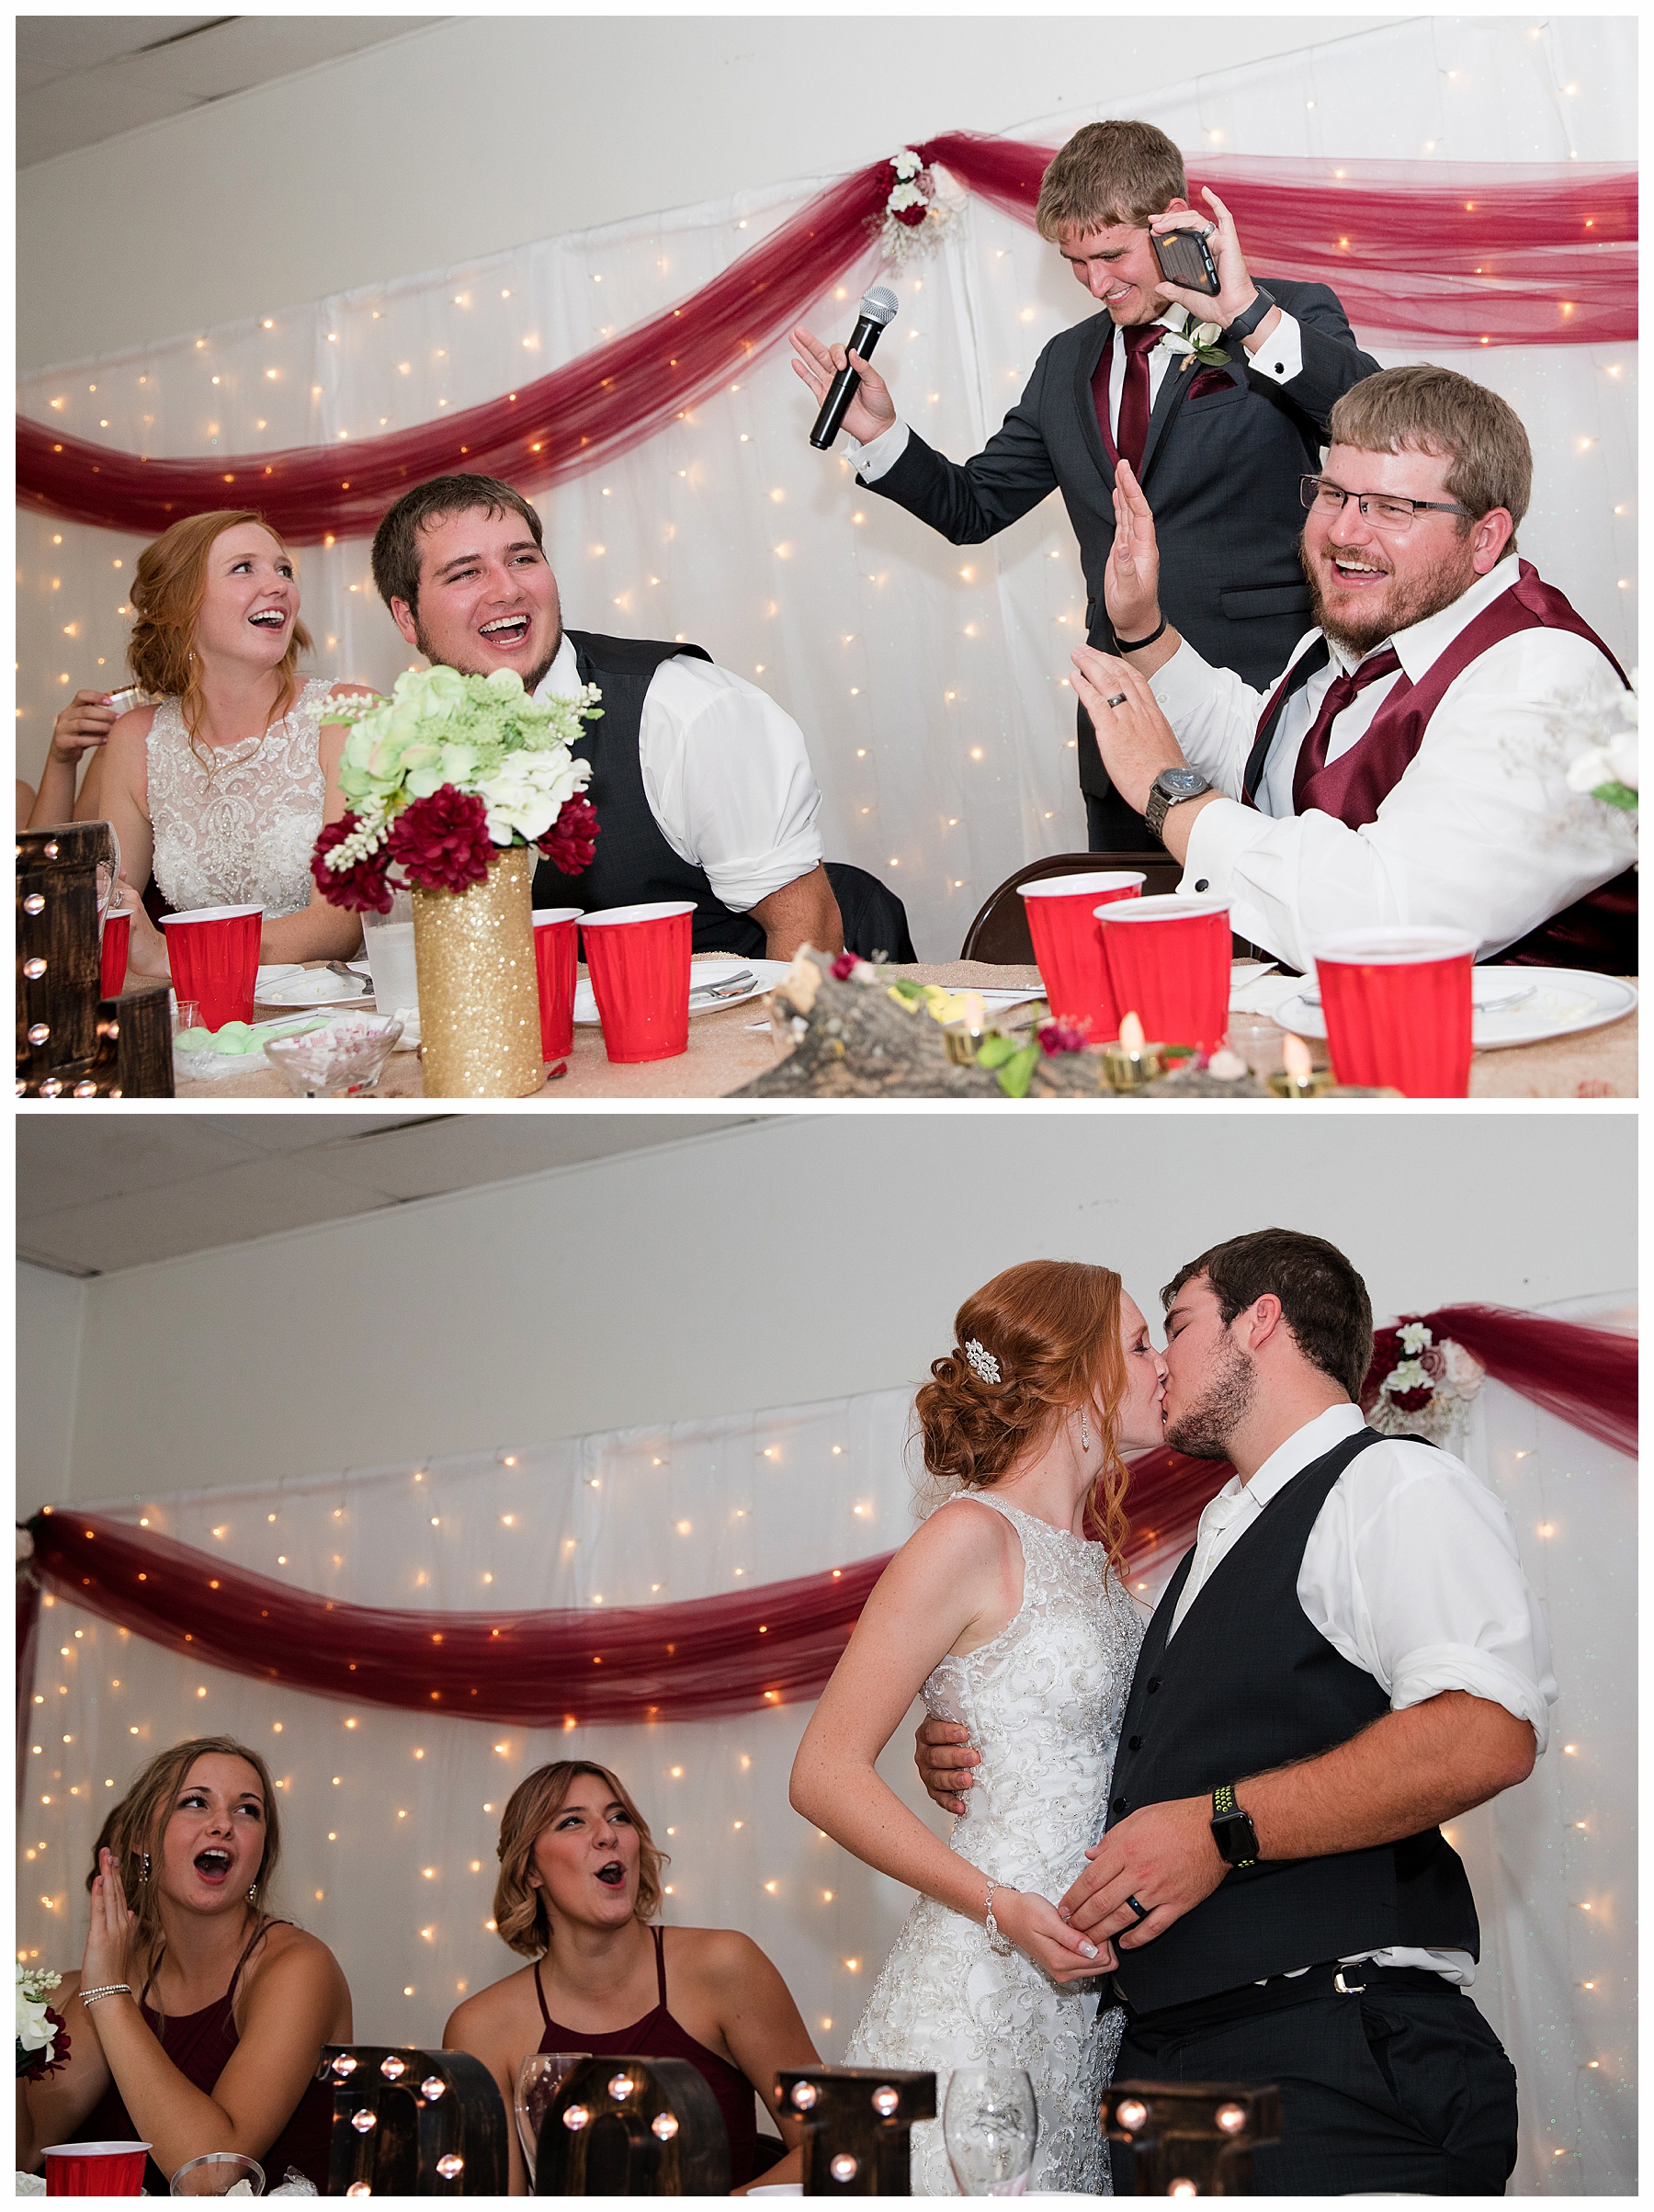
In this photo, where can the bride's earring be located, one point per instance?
(1084, 1430)
(146, 1868)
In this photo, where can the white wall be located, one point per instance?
(803, 1259)
(484, 132)
(50, 1311)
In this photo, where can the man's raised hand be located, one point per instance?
(1236, 289)
(1131, 581)
(942, 1753)
(872, 410)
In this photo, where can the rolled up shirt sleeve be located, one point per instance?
(880, 454)
(1412, 1574)
(729, 780)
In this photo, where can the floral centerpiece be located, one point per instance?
(451, 781)
(42, 2039)
(1608, 771)
(1427, 1388)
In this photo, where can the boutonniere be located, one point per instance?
(1195, 342)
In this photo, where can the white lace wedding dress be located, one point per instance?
(1043, 1703)
(241, 833)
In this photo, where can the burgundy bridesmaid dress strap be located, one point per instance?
(540, 1993)
(660, 1944)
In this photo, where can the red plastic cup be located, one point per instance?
(117, 936)
(556, 958)
(96, 2169)
(638, 958)
(1169, 964)
(1068, 944)
(214, 956)
(1398, 1008)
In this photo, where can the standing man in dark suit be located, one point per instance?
(1217, 451)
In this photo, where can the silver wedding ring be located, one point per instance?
(1141, 1910)
(1119, 699)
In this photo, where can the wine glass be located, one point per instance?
(539, 2077)
(219, 2173)
(990, 2124)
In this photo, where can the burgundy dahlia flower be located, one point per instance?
(571, 840)
(355, 889)
(443, 841)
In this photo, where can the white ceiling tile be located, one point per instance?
(458, 1153)
(61, 43)
(233, 1205)
(62, 1164)
(86, 110)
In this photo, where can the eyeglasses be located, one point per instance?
(1321, 494)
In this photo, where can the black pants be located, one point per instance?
(1403, 2087)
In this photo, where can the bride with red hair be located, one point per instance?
(1008, 1613)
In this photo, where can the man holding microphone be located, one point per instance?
(1216, 449)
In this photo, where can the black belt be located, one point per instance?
(1282, 1990)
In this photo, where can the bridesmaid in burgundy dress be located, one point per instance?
(579, 1884)
(196, 2020)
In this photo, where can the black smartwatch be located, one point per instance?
(1232, 1830)
(1248, 320)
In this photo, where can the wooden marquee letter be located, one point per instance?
(633, 2127)
(856, 2123)
(1192, 2138)
(414, 2123)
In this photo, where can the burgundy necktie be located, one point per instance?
(1312, 753)
(1133, 433)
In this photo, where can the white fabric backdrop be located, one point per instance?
(391, 1817)
(928, 679)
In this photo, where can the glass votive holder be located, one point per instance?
(1316, 1084)
(1129, 1067)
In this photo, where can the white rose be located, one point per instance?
(1208, 334)
(1173, 344)
(35, 2032)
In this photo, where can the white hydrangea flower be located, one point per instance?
(1407, 1376)
(1414, 1338)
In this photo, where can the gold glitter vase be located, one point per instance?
(479, 999)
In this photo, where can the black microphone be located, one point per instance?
(878, 308)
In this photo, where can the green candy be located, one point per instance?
(191, 1040)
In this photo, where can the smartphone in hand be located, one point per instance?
(1185, 260)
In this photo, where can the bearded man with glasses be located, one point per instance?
(1410, 764)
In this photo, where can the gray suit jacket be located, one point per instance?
(1221, 471)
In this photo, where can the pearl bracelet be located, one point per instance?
(112, 1989)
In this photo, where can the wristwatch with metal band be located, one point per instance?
(1169, 788)
(1232, 1830)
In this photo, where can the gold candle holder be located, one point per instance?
(1315, 1084)
(1129, 1067)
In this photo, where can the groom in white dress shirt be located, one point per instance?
(1349, 1656)
(702, 784)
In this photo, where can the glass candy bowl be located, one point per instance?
(340, 1058)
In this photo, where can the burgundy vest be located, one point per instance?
(1598, 931)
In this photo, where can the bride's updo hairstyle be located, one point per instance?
(1050, 1329)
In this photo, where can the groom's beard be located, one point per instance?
(1203, 1431)
(531, 681)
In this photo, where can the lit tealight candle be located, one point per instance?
(1131, 1064)
(1299, 1079)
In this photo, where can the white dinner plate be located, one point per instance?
(766, 974)
(313, 987)
(1565, 1000)
(270, 979)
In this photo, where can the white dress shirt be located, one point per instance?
(1280, 361)
(726, 775)
(1481, 833)
(1411, 1573)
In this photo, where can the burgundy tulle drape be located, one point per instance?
(1421, 255)
(28, 1627)
(696, 1661)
